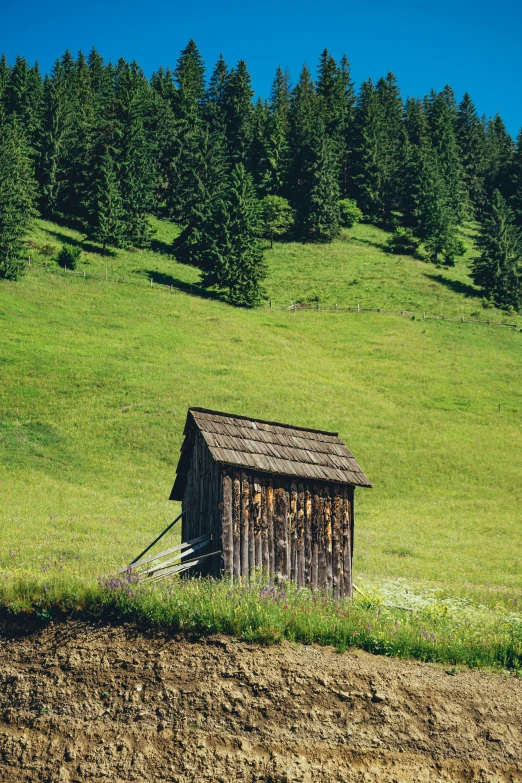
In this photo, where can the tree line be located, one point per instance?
(102, 146)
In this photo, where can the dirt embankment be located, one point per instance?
(81, 703)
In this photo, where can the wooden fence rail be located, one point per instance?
(293, 306)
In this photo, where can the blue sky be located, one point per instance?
(473, 46)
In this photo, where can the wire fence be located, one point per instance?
(194, 290)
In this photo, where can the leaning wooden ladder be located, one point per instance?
(166, 563)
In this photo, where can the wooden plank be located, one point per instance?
(336, 541)
(321, 539)
(257, 504)
(270, 526)
(160, 566)
(264, 558)
(245, 504)
(182, 567)
(316, 533)
(227, 526)
(347, 548)
(328, 535)
(308, 536)
(150, 559)
(252, 527)
(236, 519)
(292, 533)
(300, 577)
(280, 514)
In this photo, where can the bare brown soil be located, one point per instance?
(80, 702)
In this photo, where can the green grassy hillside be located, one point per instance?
(96, 377)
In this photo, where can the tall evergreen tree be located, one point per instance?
(441, 114)
(209, 174)
(318, 217)
(106, 215)
(238, 110)
(214, 107)
(281, 95)
(190, 79)
(345, 144)
(498, 269)
(392, 144)
(301, 124)
(471, 139)
(516, 182)
(500, 148)
(367, 172)
(17, 197)
(231, 238)
(23, 96)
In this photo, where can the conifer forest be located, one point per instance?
(101, 147)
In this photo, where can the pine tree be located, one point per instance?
(208, 185)
(238, 111)
(318, 217)
(57, 134)
(441, 113)
(345, 144)
(471, 139)
(433, 213)
(214, 106)
(231, 241)
(500, 149)
(392, 144)
(23, 96)
(281, 94)
(516, 182)
(190, 78)
(301, 124)
(367, 171)
(330, 91)
(498, 269)
(106, 213)
(17, 197)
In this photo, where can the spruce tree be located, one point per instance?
(498, 269)
(17, 197)
(318, 217)
(231, 241)
(214, 105)
(500, 150)
(433, 212)
(106, 209)
(190, 79)
(471, 139)
(301, 124)
(345, 144)
(281, 95)
(238, 112)
(392, 144)
(208, 185)
(441, 113)
(367, 171)
(516, 182)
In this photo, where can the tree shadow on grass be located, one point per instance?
(88, 247)
(378, 245)
(456, 285)
(160, 278)
(164, 248)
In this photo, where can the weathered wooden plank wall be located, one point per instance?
(296, 530)
(288, 528)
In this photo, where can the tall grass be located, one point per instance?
(455, 634)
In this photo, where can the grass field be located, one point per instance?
(96, 378)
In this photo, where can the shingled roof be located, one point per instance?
(268, 447)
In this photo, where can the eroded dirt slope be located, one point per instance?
(79, 703)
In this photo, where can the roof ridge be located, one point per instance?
(263, 421)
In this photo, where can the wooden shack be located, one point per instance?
(272, 497)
